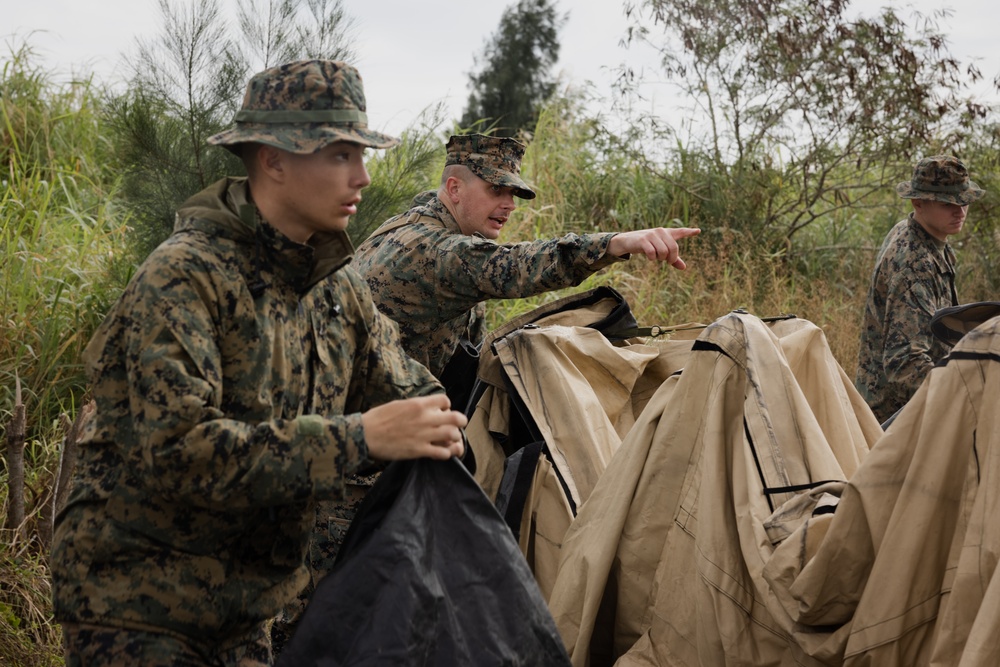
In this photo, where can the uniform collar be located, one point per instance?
(943, 255)
(225, 209)
(434, 208)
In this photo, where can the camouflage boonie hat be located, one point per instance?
(496, 160)
(941, 178)
(302, 107)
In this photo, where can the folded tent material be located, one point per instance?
(906, 566)
(662, 565)
(563, 386)
(711, 537)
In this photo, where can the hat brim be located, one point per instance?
(964, 198)
(303, 139)
(519, 187)
(950, 324)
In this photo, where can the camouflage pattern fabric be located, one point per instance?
(301, 107)
(432, 279)
(914, 276)
(496, 160)
(333, 518)
(941, 178)
(93, 646)
(229, 380)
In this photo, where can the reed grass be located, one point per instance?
(61, 237)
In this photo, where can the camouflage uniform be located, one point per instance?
(914, 276)
(230, 379)
(95, 646)
(432, 279)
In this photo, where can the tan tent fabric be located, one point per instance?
(908, 562)
(583, 392)
(488, 423)
(662, 565)
(547, 516)
(578, 388)
(708, 536)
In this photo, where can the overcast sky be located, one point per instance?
(414, 54)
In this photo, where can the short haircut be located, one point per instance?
(459, 171)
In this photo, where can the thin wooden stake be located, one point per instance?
(15, 461)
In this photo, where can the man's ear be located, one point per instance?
(271, 162)
(452, 188)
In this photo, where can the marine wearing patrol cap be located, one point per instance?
(941, 178)
(302, 107)
(496, 160)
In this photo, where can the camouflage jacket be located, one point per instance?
(432, 279)
(914, 276)
(229, 380)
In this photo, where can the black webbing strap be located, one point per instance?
(524, 463)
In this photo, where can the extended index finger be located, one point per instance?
(684, 232)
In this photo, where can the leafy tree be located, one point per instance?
(515, 78)
(805, 109)
(188, 82)
(399, 174)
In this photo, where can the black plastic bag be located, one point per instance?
(429, 574)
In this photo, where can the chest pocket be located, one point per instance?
(321, 336)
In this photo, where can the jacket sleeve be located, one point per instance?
(443, 274)
(181, 442)
(482, 269)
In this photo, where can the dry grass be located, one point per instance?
(718, 280)
(28, 636)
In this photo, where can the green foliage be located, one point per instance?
(187, 84)
(61, 266)
(515, 78)
(980, 241)
(807, 109)
(28, 637)
(598, 188)
(400, 173)
(60, 238)
(278, 31)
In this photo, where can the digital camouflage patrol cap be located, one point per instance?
(941, 178)
(301, 107)
(496, 160)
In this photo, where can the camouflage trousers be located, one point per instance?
(98, 646)
(333, 518)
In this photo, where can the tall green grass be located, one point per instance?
(60, 240)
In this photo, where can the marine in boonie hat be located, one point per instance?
(941, 178)
(496, 160)
(302, 107)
